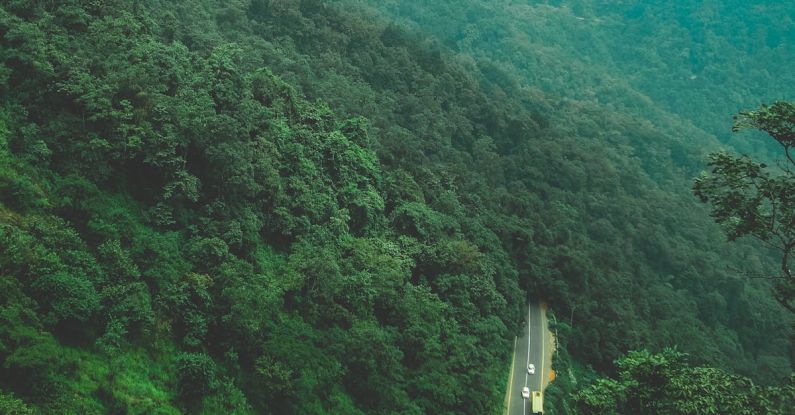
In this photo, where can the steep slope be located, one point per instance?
(585, 201)
(196, 219)
(680, 64)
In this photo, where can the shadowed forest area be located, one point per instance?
(341, 207)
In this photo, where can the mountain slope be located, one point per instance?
(297, 207)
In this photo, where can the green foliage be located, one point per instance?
(67, 297)
(750, 199)
(665, 383)
(17, 190)
(777, 120)
(300, 208)
(12, 406)
(130, 382)
(196, 375)
(683, 65)
(228, 400)
(28, 353)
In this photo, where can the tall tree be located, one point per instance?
(750, 198)
(665, 383)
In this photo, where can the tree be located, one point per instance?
(13, 406)
(196, 375)
(665, 383)
(750, 198)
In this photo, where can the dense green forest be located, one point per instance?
(284, 206)
(677, 64)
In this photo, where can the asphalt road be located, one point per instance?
(530, 348)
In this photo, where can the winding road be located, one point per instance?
(532, 347)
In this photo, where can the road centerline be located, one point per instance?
(527, 363)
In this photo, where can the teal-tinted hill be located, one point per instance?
(299, 207)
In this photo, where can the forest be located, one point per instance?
(342, 207)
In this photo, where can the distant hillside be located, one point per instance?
(676, 63)
(301, 207)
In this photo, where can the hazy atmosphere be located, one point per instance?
(489, 207)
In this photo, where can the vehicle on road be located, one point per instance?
(531, 369)
(538, 402)
(525, 392)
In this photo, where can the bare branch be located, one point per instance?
(750, 276)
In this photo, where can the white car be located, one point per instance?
(531, 369)
(525, 392)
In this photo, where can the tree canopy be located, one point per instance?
(306, 207)
(750, 198)
(665, 383)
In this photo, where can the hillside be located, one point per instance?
(305, 207)
(683, 65)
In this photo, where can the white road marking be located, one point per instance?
(524, 401)
(510, 384)
(543, 356)
(528, 346)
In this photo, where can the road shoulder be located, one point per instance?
(506, 405)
